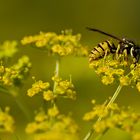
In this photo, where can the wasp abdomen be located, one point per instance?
(101, 50)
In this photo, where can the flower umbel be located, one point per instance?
(63, 44)
(53, 126)
(38, 87)
(15, 74)
(64, 88)
(113, 117)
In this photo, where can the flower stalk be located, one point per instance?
(57, 69)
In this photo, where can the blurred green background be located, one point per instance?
(19, 18)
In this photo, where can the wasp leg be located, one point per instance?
(125, 57)
(117, 52)
(106, 52)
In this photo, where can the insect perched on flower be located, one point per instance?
(125, 47)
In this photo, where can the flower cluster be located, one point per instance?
(8, 49)
(113, 117)
(15, 74)
(63, 44)
(62, 88)
(113, 69)
(37, 87)
(6, 121)
(53, 126)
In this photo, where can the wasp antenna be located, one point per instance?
(102, 32)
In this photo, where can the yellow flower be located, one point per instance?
(125, 81)
(31, 127)
(71, 94)
(62, 50)
(42, 85)
(41, 116)
(8, 49)
(94, 64)
(103, 69)
(38, 87)
(99, 127)
(107, 80)
(6, 121)
(56, 78)
(48, 95)
(89, 116)
(119, 71)
(64, 88)
(53, 112)
(113, 63)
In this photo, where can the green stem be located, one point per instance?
(115, 95)
(57, 69)
(92, 131)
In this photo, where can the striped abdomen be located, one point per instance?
(101, 50)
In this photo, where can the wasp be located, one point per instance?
(125, 46)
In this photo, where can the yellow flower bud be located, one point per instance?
(53, 112)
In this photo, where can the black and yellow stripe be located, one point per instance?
(103, 48)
